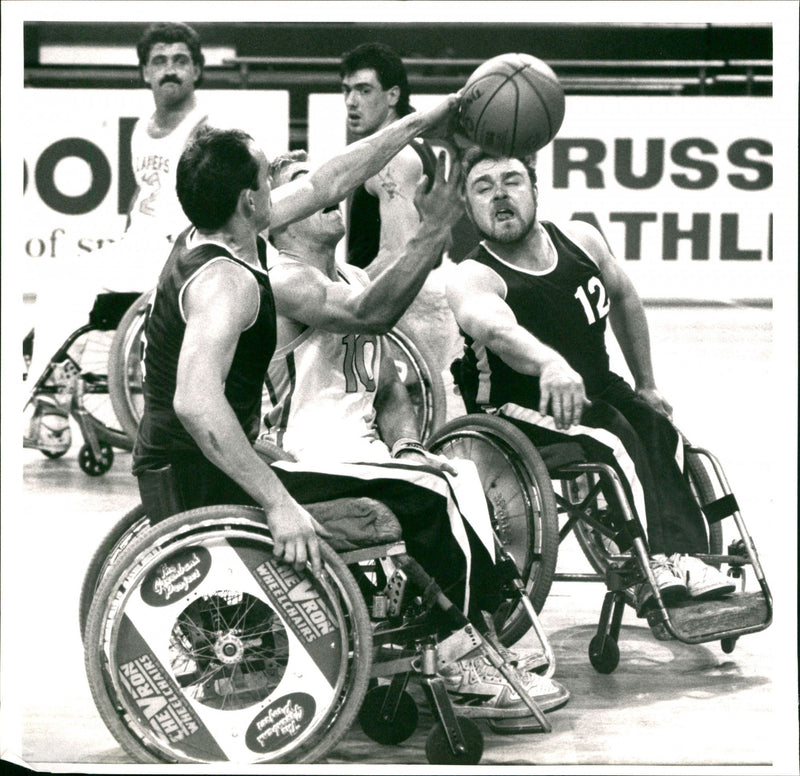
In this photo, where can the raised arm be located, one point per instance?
(305, 294)
(476, 295)
(626, 315)
(335, 179)
(220, 303)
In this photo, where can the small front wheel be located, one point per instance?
(438, 751)
(388, 723)
(603, 654)
(95, 466)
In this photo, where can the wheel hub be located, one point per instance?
(229, 648)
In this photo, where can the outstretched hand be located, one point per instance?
(442, 120)
(443, 203)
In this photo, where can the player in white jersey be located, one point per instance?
(335, 402)
(171, 64)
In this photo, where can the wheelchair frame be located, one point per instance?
(96, 455)
(561, 462)
(404, 641)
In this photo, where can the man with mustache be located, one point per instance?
(533, 300)
(171, 65)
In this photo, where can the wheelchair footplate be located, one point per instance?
(697, 621)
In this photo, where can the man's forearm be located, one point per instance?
(339, 176)
(629, 324)
(389, 294)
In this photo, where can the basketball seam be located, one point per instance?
(542, 101)
(520, 69)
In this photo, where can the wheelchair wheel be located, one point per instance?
(423, 383)
(122, 533)
(521, 501)
(438, 751)
(598, 548)
(202, 647)
(124, 366)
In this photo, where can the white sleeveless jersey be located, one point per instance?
(156, 210)
(320, 393)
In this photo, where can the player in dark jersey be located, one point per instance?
(211, 329)
(382, 217)
(533, 300)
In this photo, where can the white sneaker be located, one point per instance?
(670, 582)
(702, 581)
(476, 682)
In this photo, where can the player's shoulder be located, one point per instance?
(587, 237)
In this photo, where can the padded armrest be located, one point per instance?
(561, 454)
(352, 523)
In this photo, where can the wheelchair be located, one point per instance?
(85, 353)
(200, 646)
(591, 498)
(424, 384)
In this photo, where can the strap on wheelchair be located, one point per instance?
(159, 493)
(722, 507)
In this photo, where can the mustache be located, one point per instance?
(170, 79)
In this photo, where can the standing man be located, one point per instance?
(171, 66)
(210, 332)
(533, 300)
(382, 217)
(336, 404)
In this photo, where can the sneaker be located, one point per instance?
(476, 682)
(702, 581)
(48, 429)
(670, 582)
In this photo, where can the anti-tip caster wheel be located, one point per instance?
(438, 751)
(728, 645)
(603, 654)
(92, 466)
(387, 725)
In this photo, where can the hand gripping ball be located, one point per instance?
(512, 105)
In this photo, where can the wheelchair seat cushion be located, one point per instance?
(353, 523)
(561, 454)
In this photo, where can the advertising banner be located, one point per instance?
(77, 175)
(680, 187)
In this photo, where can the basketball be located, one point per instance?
(512, 105)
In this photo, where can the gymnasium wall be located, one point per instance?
(682, 188)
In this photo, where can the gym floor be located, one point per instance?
(674, 706)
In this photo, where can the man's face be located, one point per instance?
(170, 72)
(324, 226)
(501, 199)
(368, 105)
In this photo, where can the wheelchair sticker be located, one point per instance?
(158, 699)
(281, 722)
(178, 575)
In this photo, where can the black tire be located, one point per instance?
(521, 500)
(603, 654)
(388, 726)
(703, 490)
(93, 465)
(424, 384)
(124, 368)
(122, 533)
(190, 611)
(437, 747)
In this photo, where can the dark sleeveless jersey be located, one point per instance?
(364, 229)
(161, 434)
(564, 307)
